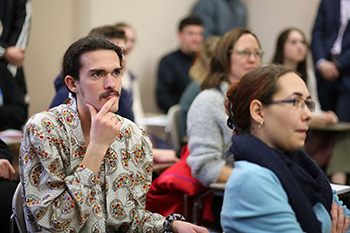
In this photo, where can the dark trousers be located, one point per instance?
(335, 96)
(216, 208)
(7, 189)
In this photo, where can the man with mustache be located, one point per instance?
(115, 36)
(84, 168)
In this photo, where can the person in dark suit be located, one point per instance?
(15, 21)
(13, 109)
(330, 47)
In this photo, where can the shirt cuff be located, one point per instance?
(2, 51)
(320, 62)
(82, 172)
(169, 219)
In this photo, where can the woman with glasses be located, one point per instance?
(275, 186)
(291, 51)
(237, 52)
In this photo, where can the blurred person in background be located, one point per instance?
(237, 52)
(173, 70)
(198, 72)
(220, 16)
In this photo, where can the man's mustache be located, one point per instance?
(108, 93)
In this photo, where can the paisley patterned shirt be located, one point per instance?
(60, 194)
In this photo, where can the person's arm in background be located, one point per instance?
(14, 111)
(320, 54)
(343, 61)
(320, 118)
(317, 44)
(12, 49)
(209, 138)
(165, 82)
(164, 156)
(6, 170)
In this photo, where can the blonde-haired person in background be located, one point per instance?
(198, 72)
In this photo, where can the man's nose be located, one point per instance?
(110, 82)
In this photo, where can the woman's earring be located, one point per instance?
(261, 124)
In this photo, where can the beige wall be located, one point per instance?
(51, 33)
(267, 18)
(56, 24)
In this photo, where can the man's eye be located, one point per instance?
(98, 74)
(117, 72)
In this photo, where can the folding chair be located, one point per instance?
(17, 211)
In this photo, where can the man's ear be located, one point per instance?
(71, 83)
(179, 35)
(256, 111)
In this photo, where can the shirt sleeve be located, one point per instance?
(255, 201)
(140, 219)
(317, 47)
(55, 198)
(209, 136)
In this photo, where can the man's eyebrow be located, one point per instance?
(103, 70)
(96, 70)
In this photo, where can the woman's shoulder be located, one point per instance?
(247, 176)
(208, 104)
(249, 168)
(250, 175)
(255, 201)
(212, 95)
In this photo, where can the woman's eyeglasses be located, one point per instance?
(258, 54)
(297, 102)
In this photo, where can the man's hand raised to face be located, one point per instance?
(105, 127)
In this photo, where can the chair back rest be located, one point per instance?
(173, 114)
(17, 210)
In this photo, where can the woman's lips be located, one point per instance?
(302, 131)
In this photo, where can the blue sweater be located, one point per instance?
(255, 201)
